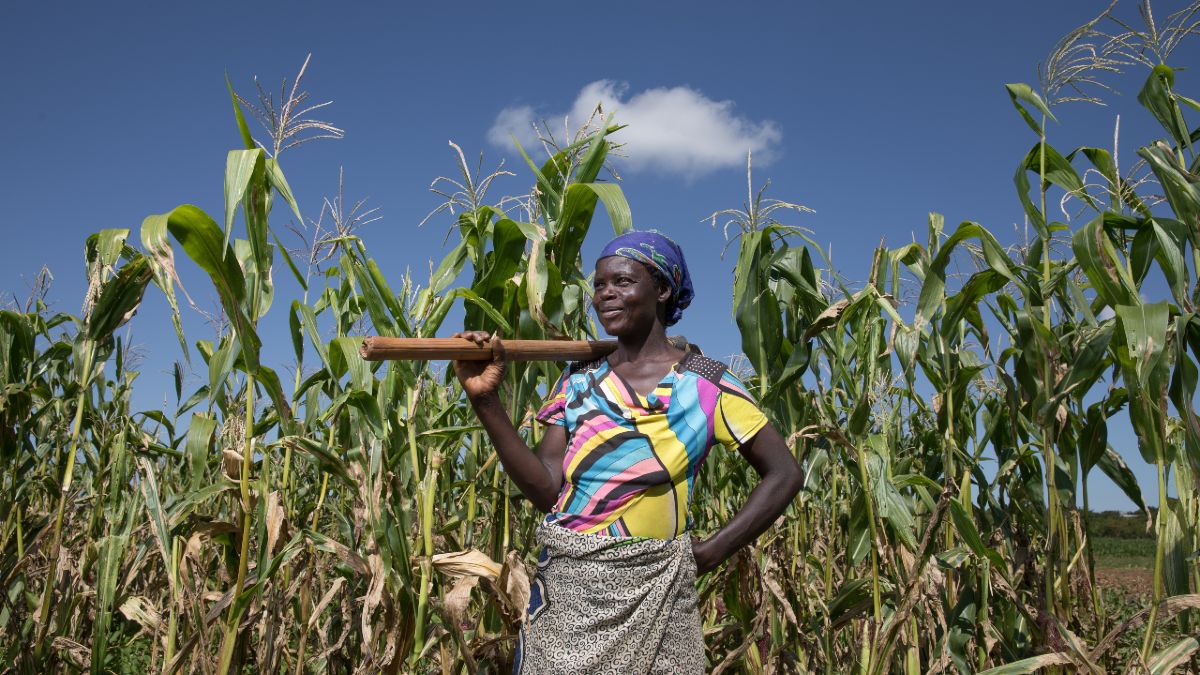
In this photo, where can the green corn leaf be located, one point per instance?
(376, 307)
(111, 553)
(572, 225)
(344, 357)
(1098, 259)
(1175, 537)
(551, 198)
(1168, 659)
(17, 338)
(108, 244)
(858, 543)
(470, 296)
(970, 535)
(203, 241)
(1020, 93)
(119, 299)
(322, 456)
(198, 448)
(1145, 327)
(296, 332)
(1031, 664)
(616, 205)
(398, 314)
(269, 381)
(532, 231)
(158, 519)
(449, 269)
(309, 320)
(933, 288)
(1170, 257)
(257, 276)
(274, 174)
(162, 263)
(1157, 97)
(1182, 193)
(1058, 171)
(1113, 465)
(287, 258)
(221, 363)
(851, 596)
(494, 275)
(1088, 362)
(242, 167)
(1093, 439)
(593, 161)
(243, 130)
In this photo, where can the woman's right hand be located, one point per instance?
(481, 378)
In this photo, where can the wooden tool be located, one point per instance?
(377, 348)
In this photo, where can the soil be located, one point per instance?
(1135, 581)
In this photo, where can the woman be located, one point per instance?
(615, 587)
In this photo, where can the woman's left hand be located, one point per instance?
(781, 479)
(702, 552)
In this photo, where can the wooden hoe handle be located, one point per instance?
(377, 348)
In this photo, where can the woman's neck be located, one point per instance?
(654, 346)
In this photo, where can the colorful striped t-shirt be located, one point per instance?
(631, 461)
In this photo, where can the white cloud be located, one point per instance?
(675, 130)
(516, 121)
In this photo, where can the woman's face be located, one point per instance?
(626, 296)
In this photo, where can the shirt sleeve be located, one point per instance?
(737, 416)
(553, 411)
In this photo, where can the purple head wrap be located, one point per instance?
(662, 255)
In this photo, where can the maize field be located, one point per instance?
(354, 519)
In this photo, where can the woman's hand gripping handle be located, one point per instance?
(538, 474)
(481, 378)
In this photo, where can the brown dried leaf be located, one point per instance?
(827, 318)
(325, 600)
(372, 598)
(232, 461)
(78, 655)
(459, 598)
(139, 609)
(468, 563)
(276, 521)
(772, 584)
(515, 580)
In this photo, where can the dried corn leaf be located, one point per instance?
(515, 581)
(459, 598)
(232, 461)
(75, 653)
(139, 609)
(276, 521)
(467, 563)
(827, 318)
(330, 594)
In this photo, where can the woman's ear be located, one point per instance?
(664, 292)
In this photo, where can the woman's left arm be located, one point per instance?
(781, 478)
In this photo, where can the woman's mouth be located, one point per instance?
(610, 312)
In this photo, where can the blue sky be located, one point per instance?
(873, 114)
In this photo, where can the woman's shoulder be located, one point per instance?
(705, 368)
(578, 367)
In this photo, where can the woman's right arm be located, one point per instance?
(537, 474)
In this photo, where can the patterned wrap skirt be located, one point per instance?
(600, 604)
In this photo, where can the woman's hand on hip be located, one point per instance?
(481, 378)
(702, 552)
